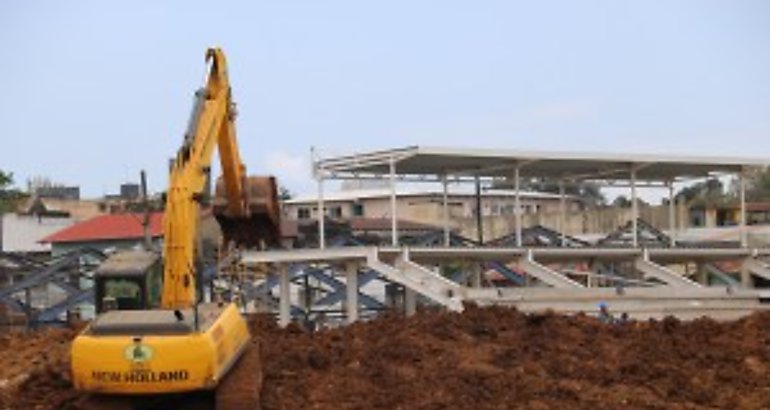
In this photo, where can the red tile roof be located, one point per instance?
(108, 227)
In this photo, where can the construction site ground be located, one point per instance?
(485, 358)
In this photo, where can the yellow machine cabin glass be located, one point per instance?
(122, 294)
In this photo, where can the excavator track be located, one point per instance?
(241, 387)
(202, 400)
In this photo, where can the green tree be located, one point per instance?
(9, 196)
(708, 192)
(284, 193)
(758, 185)
(621, 201)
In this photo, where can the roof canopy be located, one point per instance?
(430, 163)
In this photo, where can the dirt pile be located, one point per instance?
(500, 358)
(482, 358)
(10, 318)
(34, 370)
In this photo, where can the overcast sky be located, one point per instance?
(93, 91)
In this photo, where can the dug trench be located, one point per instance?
(487, 358)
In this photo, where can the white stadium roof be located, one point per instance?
(430, 163)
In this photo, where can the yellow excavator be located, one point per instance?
(152, 334)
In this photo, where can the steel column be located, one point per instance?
(393, 210)
(479, 221)
(671, 213)
(445, 209)
(744, 233)
(562, 212)
(517, 205)
(321, 213)
(634, 211)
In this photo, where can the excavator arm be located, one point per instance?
(211, 125)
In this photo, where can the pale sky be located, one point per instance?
(93, 91)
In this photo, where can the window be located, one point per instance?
(123, 294)
(303, 213)
(335, 212)
(358, 210)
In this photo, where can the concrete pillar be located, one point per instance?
(593, 269)
(746, 281)
(284, 311)
(410, 301)
(476, 275)
(351, 287)
(701, 273)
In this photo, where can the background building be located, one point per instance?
(106, 232)
(21, 233)
(424, 206)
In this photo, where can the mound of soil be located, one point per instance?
(495, 358)
(487, 358)
(34, 371)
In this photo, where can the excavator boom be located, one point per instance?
(247, 208)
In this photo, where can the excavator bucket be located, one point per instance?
(262, 227)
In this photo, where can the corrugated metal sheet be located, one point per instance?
(21, 233)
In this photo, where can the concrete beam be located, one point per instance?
(662, 273)
(639, 303)
(546, 275)
(308, 255)
(422, 280)
(720, 275)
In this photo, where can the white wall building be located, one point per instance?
(21, 233)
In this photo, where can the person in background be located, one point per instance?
(604, 313)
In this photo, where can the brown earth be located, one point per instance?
(34, 369)
(486, 358)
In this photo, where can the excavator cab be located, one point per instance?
(128, 280)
